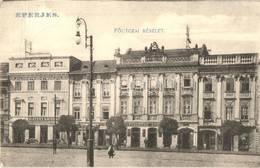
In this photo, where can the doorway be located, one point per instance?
(135, 138)
(152, 137)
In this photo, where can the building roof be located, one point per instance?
(103, 66)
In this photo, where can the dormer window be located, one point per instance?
(85, 66)
(106, 66)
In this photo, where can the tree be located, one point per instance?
(168, 127)
(19, 127)
(115, 127)
(67, 124)
(231, 128)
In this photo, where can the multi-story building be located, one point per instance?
(34, 82)
(199, 90)
(4, 84)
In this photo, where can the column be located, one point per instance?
(84, 90)
(195, 97)
(70, 97)
(37, 132)
(200, 112)
(216, 141)
(118, 95)
(145, 98)
(96, 138)
(237, 102)
(50, 132)
(97, 107)
(252, 87)
(26, 134)
(219, 93)
(80, 137)
(178, 95)
(160, 104)
(130, 103)
(112, 98)
(195, 139)
(10, 132)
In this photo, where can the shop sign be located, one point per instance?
(42, 118)
(142, 124)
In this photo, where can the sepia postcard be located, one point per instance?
(130, 83)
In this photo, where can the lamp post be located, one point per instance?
(90, 150)
(54, 129)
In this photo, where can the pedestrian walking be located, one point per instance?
(111, 152)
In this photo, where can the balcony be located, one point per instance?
(169, 91)
(245, 95)
(208, 95)
(187, 90)
(124, 92)
(152, 117)
(229, 95)
(228, 59)
(138, 92)
(186, 117)
(153, 91)
(137, 116)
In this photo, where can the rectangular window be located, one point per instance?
(229, 111)
(19, 65)
(58, 104)
(106, 89)
(2, 103)
(168, 106)
(57, 85)
(137, 105)
(187, 83)
(76, 111)
(17, 108)
(105, 113)
(229, 85)
(244, 85)
(30, 109)
(43, 109)
(187, 106)
(123, 106)
(168, 82)
(18, 86)
(30, 85)
(45, 64)
(153, 105)
(207, 112)
(77, 90)
(58, 64)
(44, 85)
(208, 85)
(32, 65)
(244, 113)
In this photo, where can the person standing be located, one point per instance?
(111, 151)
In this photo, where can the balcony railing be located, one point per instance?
(245, 95)
(124, 92)
(169, 91)
(153, 91)
(137, 92)
(228, 59)
(152, 117)
(229, 95)
(186, 117)
(187, 90)
(208, 95)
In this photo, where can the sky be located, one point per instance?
(225, 27)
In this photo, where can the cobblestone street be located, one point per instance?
(43, 157)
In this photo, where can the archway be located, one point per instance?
(206, 139)
(152, 137)
(19, 127)
(185, 138)
(227, 141)
(135, 138)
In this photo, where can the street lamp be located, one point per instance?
(90, 150)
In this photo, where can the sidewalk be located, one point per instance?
(63, 146)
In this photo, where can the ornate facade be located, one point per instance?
(199, 90)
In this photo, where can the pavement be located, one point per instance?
(70, 157)
(64, 146)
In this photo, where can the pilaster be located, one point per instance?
(145, 97)
(130, 103)
(252, 101)
(200, 102)
(237, 102)
(37, 132)
(112, 98)
(50, 132)
(71, 97)
(218, 94)
(118, 95)
(84, 90)
(178, 95)
(97, 106)
(160, 104)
